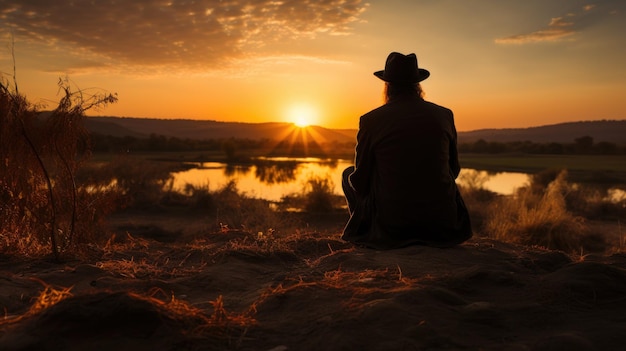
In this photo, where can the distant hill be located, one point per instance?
(202, 129)
(611, 131)
(110, 128)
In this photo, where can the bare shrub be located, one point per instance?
(42, 205)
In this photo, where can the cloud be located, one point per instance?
(552, 33)
(558, 29)
(200, 33)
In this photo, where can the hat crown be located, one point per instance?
(401, 68)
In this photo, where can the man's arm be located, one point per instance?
(455, 167)
(360, 179)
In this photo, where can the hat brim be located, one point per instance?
(422, 74)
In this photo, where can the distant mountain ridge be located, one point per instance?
(613, 131)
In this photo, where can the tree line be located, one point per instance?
(231, 147)
(581, 146)
(156, 143)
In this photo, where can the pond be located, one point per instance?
(273, 178)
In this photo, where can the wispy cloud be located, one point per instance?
(201, 33)
(558, 29)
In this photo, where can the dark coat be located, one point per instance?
(404, 179)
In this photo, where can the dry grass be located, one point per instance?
(532, 217)
(356, 286)
(197, 323)
(49, 297)
(216, 321)
(182, 310)
(139, 258)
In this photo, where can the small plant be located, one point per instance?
(234, 210)
(319, 195)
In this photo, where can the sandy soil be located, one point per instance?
(173, 290)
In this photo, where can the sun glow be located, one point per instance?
(302, 115)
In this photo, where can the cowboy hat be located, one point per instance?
(401, 68)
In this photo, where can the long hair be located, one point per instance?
(394, 90)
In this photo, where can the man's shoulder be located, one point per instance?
(440, 108)
(378, 110)
(374, 116)
(421, 104)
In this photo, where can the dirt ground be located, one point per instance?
(171, 284)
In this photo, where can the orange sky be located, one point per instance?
(496, 64)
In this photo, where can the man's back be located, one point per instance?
(410, 171)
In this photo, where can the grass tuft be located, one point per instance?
(539, 216)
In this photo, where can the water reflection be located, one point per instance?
(273, 178)
(231, 170)
(268, 172)
(268, 178)
(616, 195)
(504, 183)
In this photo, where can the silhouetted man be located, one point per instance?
(401, 189)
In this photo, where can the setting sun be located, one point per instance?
(302, 115)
